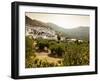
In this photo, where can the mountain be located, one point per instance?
(78, 32)
(56, 27)
(34, 23)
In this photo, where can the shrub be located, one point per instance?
(29, 43)
(59, 61)
(42, 43)
(76, 55)
(57, 49)
(29, 47)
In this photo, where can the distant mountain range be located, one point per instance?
(78, 33)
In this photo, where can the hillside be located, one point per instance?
(34, 23)
(78, 33)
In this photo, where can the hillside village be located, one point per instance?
(46, 46)
(45, 33)
(38, 29)
(41, 32)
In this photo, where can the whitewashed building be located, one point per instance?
(40, 32)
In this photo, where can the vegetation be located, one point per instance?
(57, 49)
(30, 52)
(71, 53)
(76, 54)
(41, 44)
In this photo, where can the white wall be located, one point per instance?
(5, 40)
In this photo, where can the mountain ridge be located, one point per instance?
(81, 32)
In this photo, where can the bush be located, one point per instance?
(76, 55)
(29, 52)
(59, 61)
(42, 63)
(52, 42)
(29, 42)
(57, 49)
(42, 43)
(29, 47)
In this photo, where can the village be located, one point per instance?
(46, 33)
(46, 48)
(51, 44)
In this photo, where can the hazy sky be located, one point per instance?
(65, 21)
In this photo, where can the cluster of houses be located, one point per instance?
(73, 40)
(41, 32)
(45, 33)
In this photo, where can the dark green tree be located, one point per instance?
(58, 38)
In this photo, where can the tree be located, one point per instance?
(58, 37)
(29, 47)
(76, 54)
(42, 43)
(57, 49)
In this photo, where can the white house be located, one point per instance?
(43, 32)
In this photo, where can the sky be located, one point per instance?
(63, 20)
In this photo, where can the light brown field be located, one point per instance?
(44, 55)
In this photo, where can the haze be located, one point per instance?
(62, 20)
